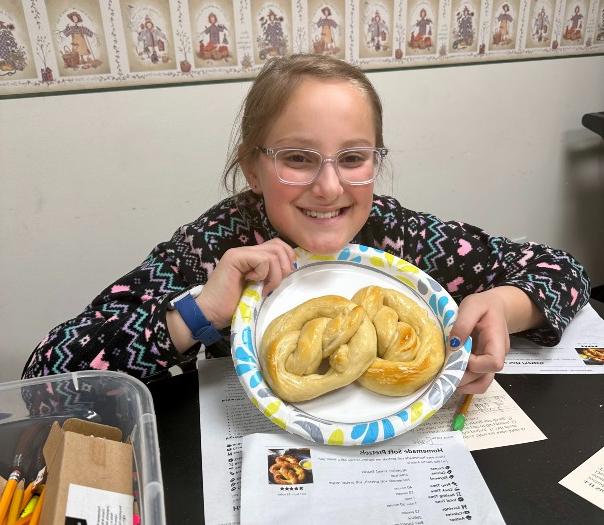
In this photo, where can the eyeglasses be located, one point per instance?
(300, 167)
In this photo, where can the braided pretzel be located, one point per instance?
(287, 471)
(295, 344)
(410, 345)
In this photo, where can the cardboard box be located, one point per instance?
(81, 458)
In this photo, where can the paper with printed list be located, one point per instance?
(411, 479)
(226, 415)
(580, 351)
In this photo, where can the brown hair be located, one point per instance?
(269, 94)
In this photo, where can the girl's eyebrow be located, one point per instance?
(303, 142)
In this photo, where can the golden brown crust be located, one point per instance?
(295, 342)
(382, 338)
(287, 471)
(411, 348)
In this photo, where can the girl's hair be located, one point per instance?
(271, 91)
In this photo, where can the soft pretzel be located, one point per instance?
(410, 344)
(287, 471)
(295, 344)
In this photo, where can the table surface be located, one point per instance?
(522, 478)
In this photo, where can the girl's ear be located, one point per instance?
(249, 167)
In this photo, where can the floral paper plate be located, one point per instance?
(351, 415)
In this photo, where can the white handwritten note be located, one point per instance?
(493, 420)
(587, 480)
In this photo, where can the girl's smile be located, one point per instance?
(323, 214)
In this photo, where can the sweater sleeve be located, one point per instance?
(124, 328)
(465, 260)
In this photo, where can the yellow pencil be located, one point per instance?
(35, 517)
(459, 419)
(29, 508)
(23, 521)
(15, 504)
(27, 494)
(7, 494)
(33, 489)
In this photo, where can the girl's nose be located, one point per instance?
(327, 185)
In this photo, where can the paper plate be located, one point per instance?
(351, 415)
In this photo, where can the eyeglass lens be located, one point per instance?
(302, 166)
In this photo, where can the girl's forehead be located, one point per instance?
(312, 89)
(324, 111)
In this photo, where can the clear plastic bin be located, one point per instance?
(29, 407)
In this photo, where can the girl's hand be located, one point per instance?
(269, 262)
(489, 317)
(482, 315)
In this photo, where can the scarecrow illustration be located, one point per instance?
(152, 41)
(80, 54)
(541, 25)
(574, 30)
(377, 32)
(12, 55)
(464, 32)
(214, 48)
(326, 44)
(504, 28)
(600, 35)
(273, 41)
(423, 38)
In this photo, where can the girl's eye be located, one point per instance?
(352, 159)
(298, 159)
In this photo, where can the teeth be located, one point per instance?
(321, 215)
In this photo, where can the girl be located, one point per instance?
(310, 146)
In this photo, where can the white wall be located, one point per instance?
(91, 182)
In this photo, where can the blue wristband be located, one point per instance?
(201, 329)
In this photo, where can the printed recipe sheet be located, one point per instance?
(227, 415)
(411, 480)
(580, 351)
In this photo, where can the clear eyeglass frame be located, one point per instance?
(273, 152)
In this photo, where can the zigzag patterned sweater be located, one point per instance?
(124, 328)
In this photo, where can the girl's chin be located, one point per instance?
(323, 248)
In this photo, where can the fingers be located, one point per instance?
(491, 343)
(472, 383)
(286, 257)
(270, 262)
(468, 315)
(276, 273)
(255, 268)
(481, 316)
(485, 363)
(485, 360)
(277, 260)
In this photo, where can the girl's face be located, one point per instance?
(325, 116)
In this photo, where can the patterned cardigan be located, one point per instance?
(124, 328)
